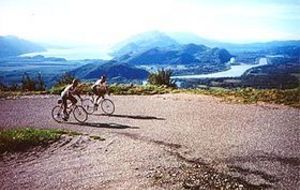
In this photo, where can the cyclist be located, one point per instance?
(100, 88)
(67, 94)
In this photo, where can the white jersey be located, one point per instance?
(69, 90)
(98, 82)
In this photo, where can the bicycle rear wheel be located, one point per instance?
(57, 113)
(107, 106)
(80, 114)
(88, 105)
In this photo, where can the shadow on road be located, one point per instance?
(241, 165)
(132, 116)
(293, 161)
(105, 125)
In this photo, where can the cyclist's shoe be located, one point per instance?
(96, 105)
(65, 117)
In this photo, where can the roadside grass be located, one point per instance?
(96, 137)
(14, 140)
(140, 90)
(289, 97)
(120, 89)
(14, 94)
(22, 139)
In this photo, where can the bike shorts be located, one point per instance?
(71, 98)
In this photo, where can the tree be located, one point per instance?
(161, 77)
(27, 83)
(40, 84)
(3, 86)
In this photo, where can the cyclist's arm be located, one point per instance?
(77, 93)
(79, 96)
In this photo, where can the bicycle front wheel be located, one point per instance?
(88, 105)
(80, 114)
(107, 106)
(57, 114)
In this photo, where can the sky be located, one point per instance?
(106, 22)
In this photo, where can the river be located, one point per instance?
(235, 71)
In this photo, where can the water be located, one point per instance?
(235, 71)
(73, 53)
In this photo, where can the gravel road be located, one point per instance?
(158, 142)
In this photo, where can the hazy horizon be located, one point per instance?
(104, 23)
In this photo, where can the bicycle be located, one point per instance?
(107, 106)
(79, 113)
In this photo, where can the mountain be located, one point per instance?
(290, 51)
(191, 58)
(115, 71)
(264, 47)
(142, 42)
(187, 55)
(13, 46)
(188, 37)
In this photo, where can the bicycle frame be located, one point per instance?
(77, 110)
(95, 96)
(91, 105)
(69, 108)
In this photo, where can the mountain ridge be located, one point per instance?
(181, 38)
(112, 69)
(14, 46)
(142, 42)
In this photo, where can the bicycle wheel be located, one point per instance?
(57, 114)
(107, 106)
(80, 114)
(88, 105)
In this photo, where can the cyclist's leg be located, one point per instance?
(95, 92)
(72, 99)
(97, 99)
(64, 103)
(98, 93)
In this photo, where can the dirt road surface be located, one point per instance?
(158, 142)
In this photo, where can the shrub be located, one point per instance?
(56, 89)
(84, 88)
(161, 77)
